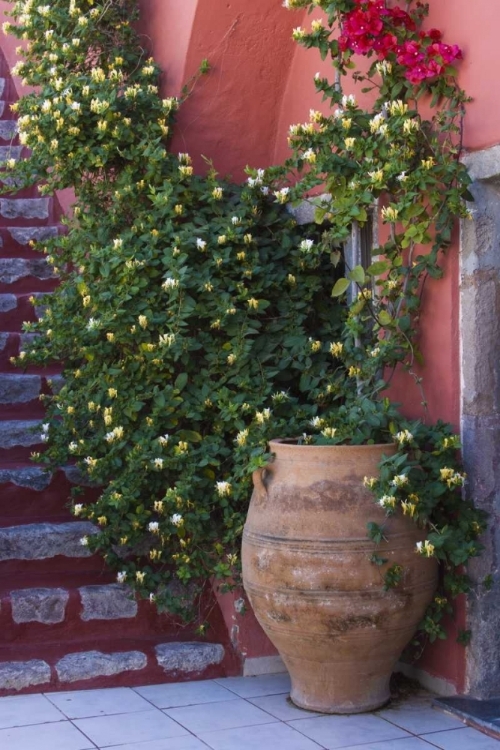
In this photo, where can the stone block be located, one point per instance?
(4, 337)
(19, 389)
(107, 602)
(32, 477)
(90, 664)
(39, 541)
(24, 208)
(8, 129)
(483, 165)
(47, 606)
(24, 235)
(14, 269)
(188, 657)
(7, 302)
(10, 152)
(20, 432)
(17, 675)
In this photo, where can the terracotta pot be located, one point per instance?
(308, 575)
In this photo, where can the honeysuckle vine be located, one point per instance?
(186, 315)
(195, 320)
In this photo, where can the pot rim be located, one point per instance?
(292, 443)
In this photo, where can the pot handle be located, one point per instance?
(259, 480)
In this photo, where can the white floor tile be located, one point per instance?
(253, 687)
(178, 694)
(334, 732)
(420, 718)
(282, 707)
(188, 742)
(21, 710)
(411, 743)
(268, 737)
(212, 717)
(58, 736)
(129, 728)
(463, 739)
(81, 704)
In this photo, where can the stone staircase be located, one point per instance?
(64, 621)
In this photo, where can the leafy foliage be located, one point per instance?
(186, 310)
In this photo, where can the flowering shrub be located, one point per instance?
(187, 312)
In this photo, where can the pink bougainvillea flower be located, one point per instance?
(401, 18)
(410, 54)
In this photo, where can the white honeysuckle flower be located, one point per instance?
(170, 283)
(399, 480)
(176, 519)
(235, 220)
(158, 463)
(152, 598)
(44, 437)
(73, 447)
(77, 509)
(200, 244)
(348, 100)
(223, 488)
(84, 541)
(45, 426)
(154, 527)
(403, 437)
(121, 577)
(306, 245)
(163, 439)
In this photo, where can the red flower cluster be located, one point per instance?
(368, 27)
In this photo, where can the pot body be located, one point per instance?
(308, 575)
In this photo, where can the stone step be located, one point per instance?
(8, 129)
(39, 541)
(16, 308)
(19, 389)
(24, 235)
(137, 662)
(25, 208)
(48, 605)
(29, 494)
(10, 152)
(17, 269)
(15, 433)
(8, 89)
(14, 342)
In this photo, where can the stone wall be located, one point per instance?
(480, 357)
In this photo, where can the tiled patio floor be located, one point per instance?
(237, 713)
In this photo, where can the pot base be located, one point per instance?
(342, 708)
(333, 688)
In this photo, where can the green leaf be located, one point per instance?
(341, 286)
(358, 275)
(190, 436)
(181, 381)
(378, 268)
(384, 318)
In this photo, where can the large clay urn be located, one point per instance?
(308, 575)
